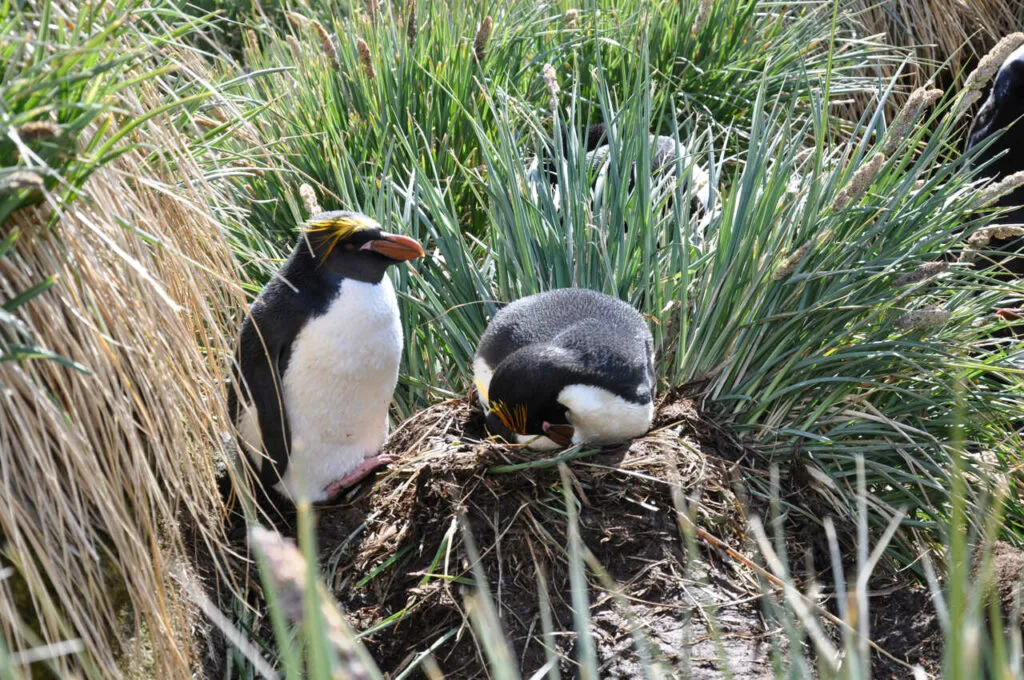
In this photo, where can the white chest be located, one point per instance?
(338, 386)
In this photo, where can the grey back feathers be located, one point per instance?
(570, 336)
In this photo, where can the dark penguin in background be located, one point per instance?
(665, 155)
(568, 366)
(1003, 112)
(318, 358)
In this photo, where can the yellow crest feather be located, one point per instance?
(514, 418)
(338, 227)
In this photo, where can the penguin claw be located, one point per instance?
(357, 475)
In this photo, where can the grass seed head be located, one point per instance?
(482, 36)
(38, 129)
(286, 566)
(991, 62)
(293, 45)
(297, 20)
(986, 69)
(920, 99)
(364, 58)
(788, 266)
(859, 183)
(572, 17)
(931, 317)
(20, 179)
(411, 28)
(551, 80)
(373, 10)
(704, 8)
(327, 45)
(922, 273)
(984, 236)
(252, 43)
(309, 200)
(993, 192)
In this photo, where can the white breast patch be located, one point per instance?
(600, 417)
(338, 387)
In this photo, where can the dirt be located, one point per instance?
(394, 553)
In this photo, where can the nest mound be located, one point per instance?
(395, 556)
(394, 552)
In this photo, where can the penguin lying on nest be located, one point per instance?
(565, 367)
(318, 356)
(666, 154)
(1003, 112)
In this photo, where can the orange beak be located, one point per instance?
(395, 246)
(559, 434)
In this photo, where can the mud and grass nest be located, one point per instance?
(394, 555)
(662, 520)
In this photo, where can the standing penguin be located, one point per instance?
(1003, 114)
(318, 358)
(568, 366)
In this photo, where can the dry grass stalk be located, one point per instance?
(287, 568)
(99, 466)
(922, 273)
(940, 29)
(365, 59)
(309, 200)
(859, 183)
(919, 99)
(483, 34)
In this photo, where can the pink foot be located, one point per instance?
(352, 478)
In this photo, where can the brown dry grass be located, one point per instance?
(97, 467)
(958, 30)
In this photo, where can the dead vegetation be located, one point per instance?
(98, 461)
(939, 31)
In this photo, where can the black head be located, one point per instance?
(523, 394)
(352, 245)
(1005, 103)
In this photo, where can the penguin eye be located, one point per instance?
(349, 246)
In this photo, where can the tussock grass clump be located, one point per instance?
(394, 103)
(119, 299)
